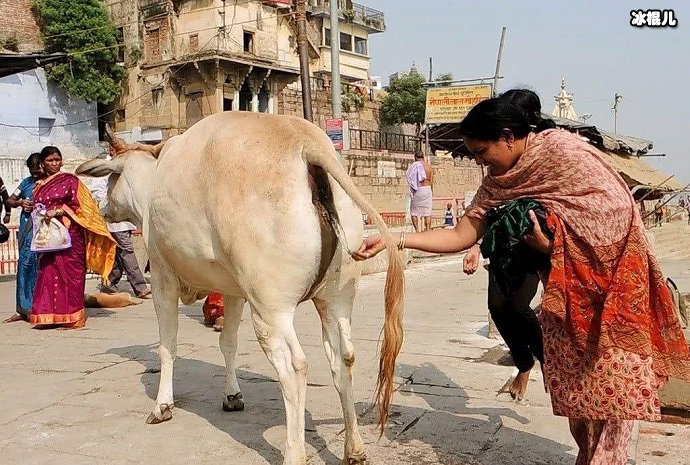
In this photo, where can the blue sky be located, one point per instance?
(590, 43)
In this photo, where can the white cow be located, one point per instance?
(259, 208)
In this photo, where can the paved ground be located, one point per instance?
(81, 397)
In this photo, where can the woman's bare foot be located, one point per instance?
(519, 386)
(13, 318)
(219, 323)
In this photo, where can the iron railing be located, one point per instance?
(361, 139)
(351, 11)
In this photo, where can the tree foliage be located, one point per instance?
(405, 102)
(444, 77)
(76, 26)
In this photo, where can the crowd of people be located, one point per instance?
(51, 284)
(606, 334)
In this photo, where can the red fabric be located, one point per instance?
(614, 297)
(59, 294)
(213, 308)
(602, 442)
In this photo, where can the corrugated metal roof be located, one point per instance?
(636, 172)
(13, 63)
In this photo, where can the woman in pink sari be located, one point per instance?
(611, 334)
(59, 294)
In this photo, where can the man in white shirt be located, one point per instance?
(125, 259)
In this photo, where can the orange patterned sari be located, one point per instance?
(611, 334)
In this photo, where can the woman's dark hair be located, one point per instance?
(48, 151)
(490, 119)
(34, 160)
(529, 101)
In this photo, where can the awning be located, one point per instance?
(446, 138)
(605, 140)
(636, 173)
(13, 63)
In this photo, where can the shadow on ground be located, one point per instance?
(198, 387)
(454, 426)
(459, 429)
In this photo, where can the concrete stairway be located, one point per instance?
(671, 241)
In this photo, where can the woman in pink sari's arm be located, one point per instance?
(611, 335)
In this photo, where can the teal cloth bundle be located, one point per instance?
(510, 259)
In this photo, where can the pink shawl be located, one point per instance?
(570, 178)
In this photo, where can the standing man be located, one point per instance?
(125, 259)
(420, 177)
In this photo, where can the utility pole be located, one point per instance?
(301, 17)
(431, 69)
(498, 61)
(336, 89)
(616, 100)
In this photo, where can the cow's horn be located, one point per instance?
(118, 144)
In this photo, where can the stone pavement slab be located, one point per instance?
(78, 397)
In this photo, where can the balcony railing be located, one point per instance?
(153, 8)
(372, 19)
(361, 139)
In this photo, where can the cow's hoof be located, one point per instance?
(160, 414)
(233, 403)
(356, 459)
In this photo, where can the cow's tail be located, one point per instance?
(395, 279)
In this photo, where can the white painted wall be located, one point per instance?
(28, 96)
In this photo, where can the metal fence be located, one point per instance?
(9, 253)
(361, 139)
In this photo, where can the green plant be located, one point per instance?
(83, 30)
(405, 101)
(11, 43)
(351, 100)
(349, 14)
(135, 53)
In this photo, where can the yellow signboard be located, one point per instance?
(451, 104)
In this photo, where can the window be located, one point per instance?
(157, 97)
(194, 43)
(45, 127)
(120, 37)
(264, 99)
(345, 42)
(249, 42)
(153, 45)
(361, 46)
(195, 110)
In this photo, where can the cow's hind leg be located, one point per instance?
(335, 312)
(276, 334)
(165, 288)
(232, 397)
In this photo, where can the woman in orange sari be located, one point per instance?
(611, 334)
(59, 294)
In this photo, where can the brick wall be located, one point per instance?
(16, 18)
(388, 193)
(290, 103)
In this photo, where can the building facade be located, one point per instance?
(187, 59)
(34, 112)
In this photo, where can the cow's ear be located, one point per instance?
(98, 167)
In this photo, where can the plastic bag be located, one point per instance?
(48, 237)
